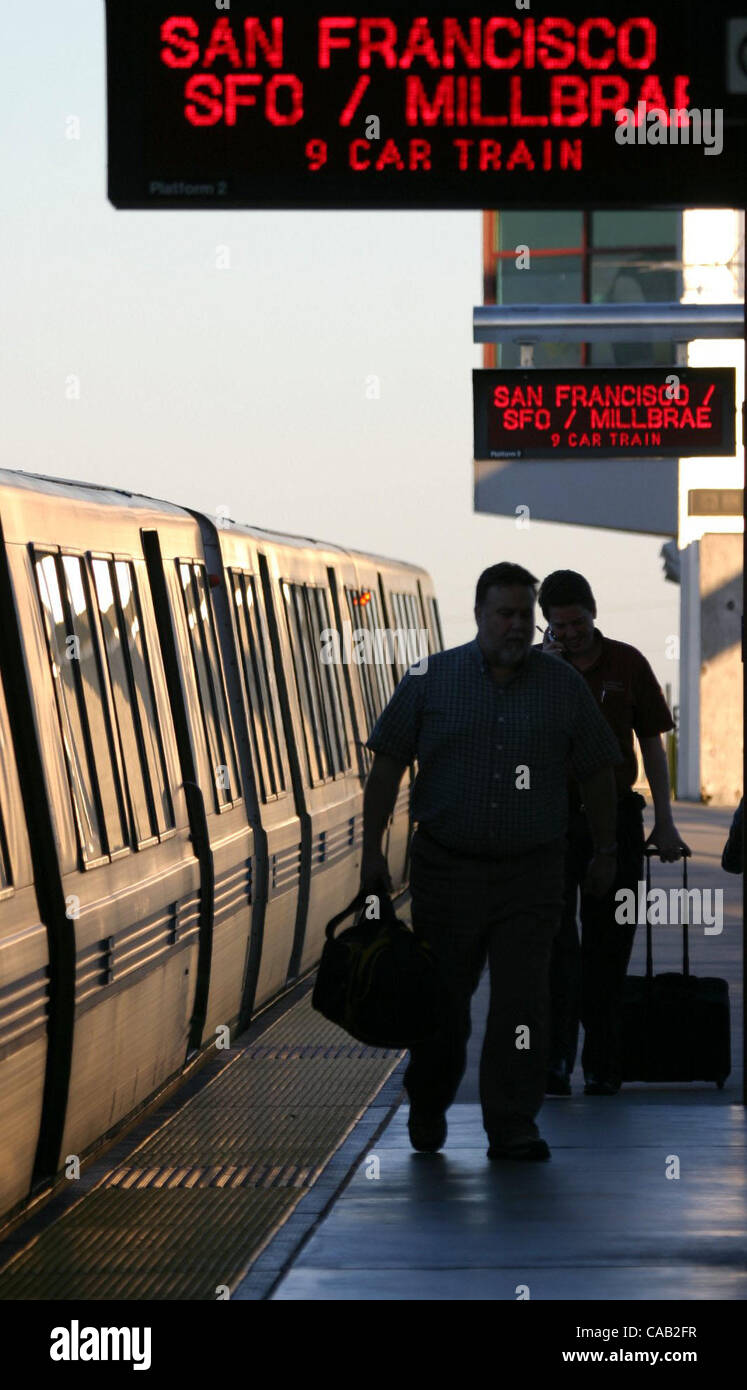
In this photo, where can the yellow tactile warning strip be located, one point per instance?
(195, 1203)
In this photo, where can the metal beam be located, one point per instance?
(621, 323)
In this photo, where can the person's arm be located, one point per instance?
(378, 804)
(731, 859)
(599, 795)
(664, 835)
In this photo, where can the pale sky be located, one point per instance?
(247, 387)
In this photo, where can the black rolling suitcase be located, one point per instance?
(675, 1026)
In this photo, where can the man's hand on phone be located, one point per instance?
(550, 642)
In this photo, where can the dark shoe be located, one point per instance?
(558, 1081)
(427, 1131)
(530, 1149)
(600, 1086)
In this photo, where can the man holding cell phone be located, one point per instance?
(586, 981)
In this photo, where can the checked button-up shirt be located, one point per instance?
(493, 760)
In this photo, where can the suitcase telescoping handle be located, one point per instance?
(685, 916)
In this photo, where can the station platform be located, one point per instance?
(601, 1220)
(281, 1169)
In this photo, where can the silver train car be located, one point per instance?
(181, 789)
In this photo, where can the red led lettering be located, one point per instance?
(234, 83)
(420, 111)
(222, 44)
(290, 85)
(493, 59)
(571, 154)
(190, 52)
(490, 157)
(196, 91)
(384, 47)
(390, 155)
(420, 154)
(520, 155)
(476, 115)
(568, 92)
(255, 37)
(652, 95)
(616, 90)
(548, 40)
(420, 45)
(630, 26)
(517, 116)
(463, 148)
(356, 162)
(455, 38)
(328, 40)
(585, 57)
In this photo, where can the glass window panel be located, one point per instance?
(260, 689)
(366, 668)
(330, 677)
(198, 620)
(630, 277)
(144, 697)
(641, 228)
(537, 228)
(111, 628)
(74, 739)
(384, 672)
(102, 736)
(220, 700)
(300, 639)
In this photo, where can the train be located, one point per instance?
(181, 790)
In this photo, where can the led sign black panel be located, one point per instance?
(614, 412)
(425, 106)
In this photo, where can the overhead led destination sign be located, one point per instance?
(613, 412)
(425, 106)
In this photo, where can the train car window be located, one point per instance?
(132, 687)
(365, 668)
(261, 690)
(88, 662)
(434, 622)
(383, 671)
(302, 640)
(308, 614)
(70, 711)
(208, 673)
(329, 680)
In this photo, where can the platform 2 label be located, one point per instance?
(604, 412)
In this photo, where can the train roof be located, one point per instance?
(80, 490)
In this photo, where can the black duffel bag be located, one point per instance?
(378, 981)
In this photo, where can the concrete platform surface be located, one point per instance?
(645, 1197)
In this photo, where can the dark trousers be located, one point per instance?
(587, 980)
(506, 912)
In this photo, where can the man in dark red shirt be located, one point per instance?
(589, 983)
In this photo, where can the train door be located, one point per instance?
(378, 677)
(278, 825)
(206, 738)
(24, 986)
(326, 780)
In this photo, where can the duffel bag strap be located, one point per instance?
(358, 902)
